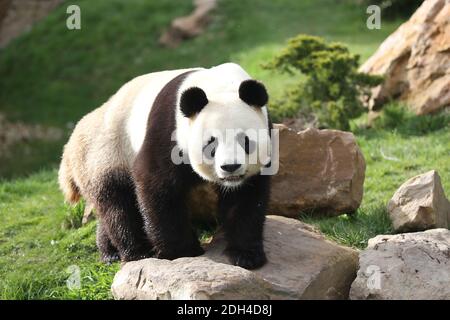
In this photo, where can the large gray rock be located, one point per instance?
(302, 265)
(415, 61)
(186, 279)
(405, 266)
(321, 171)
(420, 204)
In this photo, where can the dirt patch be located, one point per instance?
(18, 16)
(18, 132)
(189, 26)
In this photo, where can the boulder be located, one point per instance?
(420, 204)
(302, 264)
(320, 171)
(415, 61)
(186, 279)
(405, 266)
(188, 26)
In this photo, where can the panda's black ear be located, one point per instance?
(253, 93)
(192, 101)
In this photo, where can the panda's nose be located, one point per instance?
(230, 167)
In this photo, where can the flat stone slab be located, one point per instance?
(302, 264)
(405, 266)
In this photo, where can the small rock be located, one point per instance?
(405, 266)
(420, 204)
(302, 264)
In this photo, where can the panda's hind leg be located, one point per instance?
(120, 230)
(108, 252)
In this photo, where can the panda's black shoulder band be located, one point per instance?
(253, 93)
(192, 101)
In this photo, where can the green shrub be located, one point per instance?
(391, 9)
(397, 117)
(332, 88)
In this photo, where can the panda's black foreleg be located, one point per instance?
(242, 214)
(166, 218)
(119, 218)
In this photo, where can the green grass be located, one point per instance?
(74, 215)
(35, 250)
(53, 76)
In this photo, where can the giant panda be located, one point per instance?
(137, 157)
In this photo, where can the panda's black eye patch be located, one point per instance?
(209, 149)
(247, 144)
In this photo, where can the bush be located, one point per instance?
(397, 117)
(331, 93)
(391, 9)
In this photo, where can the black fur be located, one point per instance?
(253, 93)
(108, 252)
(192, 101)
(242, 214)
(120, 228)
(162, 186)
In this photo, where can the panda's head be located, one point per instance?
(227, 135)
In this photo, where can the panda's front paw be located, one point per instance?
(248, 259)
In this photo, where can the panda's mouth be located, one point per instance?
(232, 178)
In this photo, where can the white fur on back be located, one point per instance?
(140, 110)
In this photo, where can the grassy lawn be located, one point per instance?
(35, 251)
(53, 76)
